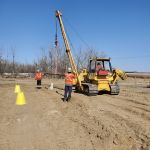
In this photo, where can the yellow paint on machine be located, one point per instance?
(103, 86)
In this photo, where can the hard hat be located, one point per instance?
(69, 69)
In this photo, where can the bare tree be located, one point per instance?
(1, 55)
(13, 52)
(3, 62)
(42, 62)
(57, 60)
(83, 56)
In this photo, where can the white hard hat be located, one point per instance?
(69, 69)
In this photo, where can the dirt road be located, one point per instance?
(102, 122)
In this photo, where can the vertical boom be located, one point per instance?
(68, 50)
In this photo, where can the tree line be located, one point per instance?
(53, 61)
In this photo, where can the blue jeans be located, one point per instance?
(68, 90)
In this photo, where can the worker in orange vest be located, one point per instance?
(38, 77)
(68, 85)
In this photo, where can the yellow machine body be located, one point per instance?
(89, 81)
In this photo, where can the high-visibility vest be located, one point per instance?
(69, 78)
(38, 76)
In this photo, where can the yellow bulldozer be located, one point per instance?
(93, 80)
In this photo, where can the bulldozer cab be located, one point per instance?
(100, 66)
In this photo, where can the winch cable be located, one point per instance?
(56, 39)
(77, 33)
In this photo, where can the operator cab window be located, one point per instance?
(107, 67)
(92, 66)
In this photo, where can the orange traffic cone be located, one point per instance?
(20, 100)
(17, 89)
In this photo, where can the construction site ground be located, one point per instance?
(102, 122)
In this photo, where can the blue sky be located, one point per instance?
(120, 28)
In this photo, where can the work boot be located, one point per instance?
(65, 99)
(68, 99)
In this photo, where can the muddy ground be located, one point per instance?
(102, 122)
